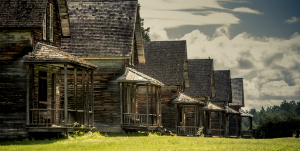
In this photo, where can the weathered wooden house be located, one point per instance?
(238, 102)
(188, 126)
(201, 78)
(166, 61)
(108, 35)
(33, 96)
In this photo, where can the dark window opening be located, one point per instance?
(42, 89)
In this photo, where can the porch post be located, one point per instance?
(250, 126)
(159, 96)
(75, 88)
(195, 116)
(66, 93)
(240, 126)
(156, 106)
(121, 101)
(83, 92)
(92, 96)
(151, 104)
(87, 112)
(147, 104)
(27, 94)
(176, 118)
(204, 123)
(220, 123)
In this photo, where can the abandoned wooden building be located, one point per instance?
(136, 114)
(24, 24)
(166, 61)
(52, 103)
(238, 102)
(184, 106)
(108, 35)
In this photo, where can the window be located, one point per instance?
(44, 28)
(51, 22)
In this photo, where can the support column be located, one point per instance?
(220, 123)
(75, 89)
(250, 127)
(204, 123)
(121, 101)
(92, 96)
(156, 106)
(66, 94)
(87, 98)
(176, 118)
(151, 104)
(147, 104)
(83, 94)
(160, 115)
(27, 95)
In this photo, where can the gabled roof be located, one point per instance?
(133, 76)
(200, 77)
(184, 99)
(212, 107)
(48, 54)
(246, 114)
(20, 13)
(237, 92)
(231, 111)
(165, 61)
(223, 86)
(101, 28)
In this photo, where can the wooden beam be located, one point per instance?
(176, 115)
(156, 106)
(92, 96)
(83, 93)
(121, 101)
(27, 94)
(250, 126)
(147, 104)
(220, 123)
(66, 94)
(75, 88)
(151, 103)
(159, 96)
(204, 123)
(87, 97)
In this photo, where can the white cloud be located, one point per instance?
(273, 61)
(292, 20)
(246, 10)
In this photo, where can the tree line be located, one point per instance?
(275, 121)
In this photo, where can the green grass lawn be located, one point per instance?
(98, 141)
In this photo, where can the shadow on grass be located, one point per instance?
(28, 142)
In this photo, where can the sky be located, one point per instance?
(254, 39)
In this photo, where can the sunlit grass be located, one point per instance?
(97, 141)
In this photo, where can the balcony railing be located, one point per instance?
(136, 119)
(187, 130)
(47, 117)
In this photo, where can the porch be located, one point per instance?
(60, 91)
(214, 121)
(234, 127)
(248, 132)
(189, 113)
(140, 101)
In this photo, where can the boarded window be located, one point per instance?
(51, 22)
(44, 28)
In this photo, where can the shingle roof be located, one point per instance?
(46, 53)
(200, 77)
(212, 107)
(237, 92)
(20, 13)
(231, 111)
(246, 114)
(165, 61)
(223, 86)
(100, 28)
(131, 75)
(184, 99)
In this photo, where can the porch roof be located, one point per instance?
(246, 114)
(49, 54)
(133, 76)
(184, 99)
(231, 111)
(212, 107)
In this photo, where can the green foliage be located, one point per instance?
(276, 121)
(123, 141)
(145, 32)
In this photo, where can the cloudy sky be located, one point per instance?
(257, 40)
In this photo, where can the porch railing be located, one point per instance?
(215, 132)
(187, 130)
(247, 133)
(137, 119)
(47, 117)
